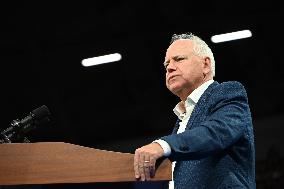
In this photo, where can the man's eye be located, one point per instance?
(180, 59)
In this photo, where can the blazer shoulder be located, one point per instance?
(230, 88)
(231, 85)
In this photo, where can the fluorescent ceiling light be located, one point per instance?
(231, 36)
(101, 59)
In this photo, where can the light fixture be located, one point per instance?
(101, 59)
(231, 36)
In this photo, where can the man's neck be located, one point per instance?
(186, 92)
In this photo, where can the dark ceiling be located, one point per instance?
(122, 105)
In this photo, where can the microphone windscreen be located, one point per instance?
(41, 112)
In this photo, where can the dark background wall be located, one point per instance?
(124, 105)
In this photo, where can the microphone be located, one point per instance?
(19, 128)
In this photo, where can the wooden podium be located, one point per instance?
(59, 162)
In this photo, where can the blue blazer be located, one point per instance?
(216, 150)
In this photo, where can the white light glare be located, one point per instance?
(101, 59)
(231, 36)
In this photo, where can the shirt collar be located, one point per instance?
(193, 98)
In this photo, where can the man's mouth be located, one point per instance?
(171, 77)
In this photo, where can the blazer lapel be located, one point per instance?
(176, 126)
(200, 104)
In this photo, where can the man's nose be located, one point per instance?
(171, 67)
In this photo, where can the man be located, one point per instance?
(212, 143)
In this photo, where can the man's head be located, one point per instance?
(189, 63)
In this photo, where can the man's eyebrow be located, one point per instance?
(176, 57)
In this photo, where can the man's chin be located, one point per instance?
(174, 89)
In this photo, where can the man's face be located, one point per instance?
(184, 68)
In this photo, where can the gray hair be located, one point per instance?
(200, 48)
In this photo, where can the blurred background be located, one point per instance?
(123, 105)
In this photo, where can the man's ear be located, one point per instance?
(206, 65)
